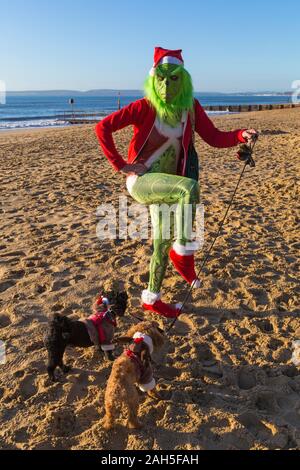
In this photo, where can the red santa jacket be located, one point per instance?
(141, 115)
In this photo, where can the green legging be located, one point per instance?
(155, 189)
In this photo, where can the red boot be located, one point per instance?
(152, 302)
(184, 263)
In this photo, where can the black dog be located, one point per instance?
(63, 332)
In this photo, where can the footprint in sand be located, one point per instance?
(58, 285)
(17, 274)
(40, 289)
(77, 278)
(14, 254)
(246, 379)
(4, 286)
(205, 356)
(115, 439)
(124, 261)
(144, 278)
(168, 373)
(57, 308)
(35, 346)
(21, 435)
(19, 373)
(79, 389)
(4, 321)
(184, 326)
(28, 387)
(265, 326)
(61, 421)
(254, 425)
(266, 402)
(275, 344)
(291, 371)
(287, 402)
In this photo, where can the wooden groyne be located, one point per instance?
(82, 117)
(245, 108)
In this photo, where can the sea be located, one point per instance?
(23, 111)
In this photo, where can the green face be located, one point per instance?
(168, 82)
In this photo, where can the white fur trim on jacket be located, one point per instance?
(147, 387)
(130, 182)
(147, 339)
(150, 298)
(107, 347)
(186, 250)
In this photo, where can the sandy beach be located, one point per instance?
(226, 371)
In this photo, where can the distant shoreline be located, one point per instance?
(124, 93)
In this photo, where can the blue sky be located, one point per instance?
(86, 44)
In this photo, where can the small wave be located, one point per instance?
(214, 113)
(57, 117)
(38, 123)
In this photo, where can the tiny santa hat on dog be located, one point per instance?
(147, 340)
(166, 56)
(102, 300)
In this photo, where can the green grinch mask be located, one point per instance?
(170, 91)
(168, 82)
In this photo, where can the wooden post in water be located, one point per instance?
(71, 103)
(119, 101)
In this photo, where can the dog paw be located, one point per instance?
(52, 379)
(66, 369)
(134, 425)
(108, 426)
(109, 356)
(51, 376)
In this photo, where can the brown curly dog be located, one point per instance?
(131, 368)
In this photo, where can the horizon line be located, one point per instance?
(119, 90)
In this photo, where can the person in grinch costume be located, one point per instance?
(162, 166)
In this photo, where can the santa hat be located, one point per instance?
(147, 339)
(102, 300)
(166, 56)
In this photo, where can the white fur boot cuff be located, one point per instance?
(150, 298)
(186, 250)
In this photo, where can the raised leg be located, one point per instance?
(161, 188)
